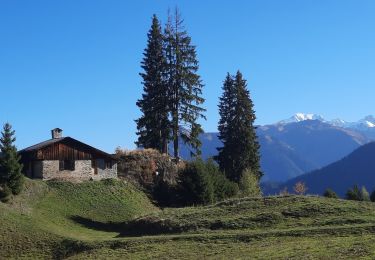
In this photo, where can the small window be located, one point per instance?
(108, 164)
(67, 165)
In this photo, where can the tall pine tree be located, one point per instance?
(184, 84)
(240, 151)
(153, 126)
(10, 168)
(226, 112)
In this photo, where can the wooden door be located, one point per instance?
(95, 166)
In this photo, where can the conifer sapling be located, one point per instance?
(10, 167)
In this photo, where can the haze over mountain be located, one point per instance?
(356, 168)
(300, 144)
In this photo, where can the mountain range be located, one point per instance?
(366, 123)
(300, 144)
(358, 168)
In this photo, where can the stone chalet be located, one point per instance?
(67, 158)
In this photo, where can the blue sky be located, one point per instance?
(74, 64)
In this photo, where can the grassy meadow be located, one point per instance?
(113, 219)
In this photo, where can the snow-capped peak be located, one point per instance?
(370, 124)
(338, 122)
(363, 124)
(367, 122)
(298, 117)
(303, 117)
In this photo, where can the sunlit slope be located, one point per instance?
(113, 219)
(45, 215)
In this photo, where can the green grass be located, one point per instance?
(264, 214)
(106, 201)
(112, 219)
(42, 220)
(318, 247)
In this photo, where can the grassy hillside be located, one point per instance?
(258, 214)
(44, 218)
(113, 219)
(265, 228)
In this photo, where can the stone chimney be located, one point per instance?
(56, 133)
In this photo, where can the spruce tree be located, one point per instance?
(184, 84)
(153, 126)
(10, 167)
(353, 193)
(240, 151)
(226, 112)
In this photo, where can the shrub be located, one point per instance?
(5, 193)
(364, 195)
(284, 192)
(300, 188)
(372, 197)
(223, 187)
(330, 194)
(358, 194)
(353, 193)
(203, 183)
(165, 194)
(249, 184)
(196, 184)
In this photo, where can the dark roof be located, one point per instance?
(42, 144)
(63, 140)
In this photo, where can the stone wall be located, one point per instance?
(83, 171)
(104, 172)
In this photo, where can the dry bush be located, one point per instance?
(284, 192)
(147, 166)
(300, 188)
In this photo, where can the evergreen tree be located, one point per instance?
(353, 193)
(358, 194)
(240, 151)
(184, 84)
(10, 168)
(153, 126)
(226, 112)
(328, 193)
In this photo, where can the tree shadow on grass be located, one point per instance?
(97, 225)
(134, 228)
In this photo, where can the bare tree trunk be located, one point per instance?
(175, 136)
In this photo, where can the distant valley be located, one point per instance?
(358, 168)
(300, 144)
